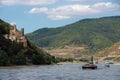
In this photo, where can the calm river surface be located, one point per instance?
(60, 72)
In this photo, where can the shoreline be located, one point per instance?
(26, 66)
(21, 66)
(17, 66)
(116, 63)
(60, 63)
(71, 63)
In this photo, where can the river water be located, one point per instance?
(60, 72)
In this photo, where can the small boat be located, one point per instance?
(107, 64)
(90, 65)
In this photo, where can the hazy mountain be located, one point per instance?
(96, 33)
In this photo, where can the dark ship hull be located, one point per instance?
(89, 66)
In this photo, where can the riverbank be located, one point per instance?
(26, 66)
(117, 63)
(60, 63)
(21, 66)
(71, 63)
(17, 66)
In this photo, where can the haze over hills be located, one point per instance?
(95, 34)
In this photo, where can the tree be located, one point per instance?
(19, 59)
(38, 59)
(4, 61)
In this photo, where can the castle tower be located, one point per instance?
(22, 31)
(16, 35)
(13, 29)
(14, 25)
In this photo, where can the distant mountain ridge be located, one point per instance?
(97, 34)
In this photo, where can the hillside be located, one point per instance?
(96, 34)
(111, 53)
(14, 52)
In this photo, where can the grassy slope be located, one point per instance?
(97, 34)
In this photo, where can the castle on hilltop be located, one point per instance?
(16, 35)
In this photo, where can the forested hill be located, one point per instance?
(14, 53)
(97, 34)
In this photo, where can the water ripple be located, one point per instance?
(61, 72)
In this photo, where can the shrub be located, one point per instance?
(83, 60)
(19, 59)
(4, 61)
(38, 59)
(109, 58)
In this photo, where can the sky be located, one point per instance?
(36, 14)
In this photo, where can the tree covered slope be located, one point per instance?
(14, 53)
(97, 34)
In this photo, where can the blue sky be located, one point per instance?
(36, 14)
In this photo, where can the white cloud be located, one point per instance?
(79, 0)
(68, 11)
(13, 23)
(27, 2)
(105, 6)
(58, 17)
(38, 10)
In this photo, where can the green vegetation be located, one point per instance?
(14, 53)
(97, 34)
(3, 58)
(111, 53)
(83, 60)
(117, 59)
(19, 59)
(43, 59)
(4, 27)
(64, 59)
(109, 58)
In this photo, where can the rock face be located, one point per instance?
(16, 35)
